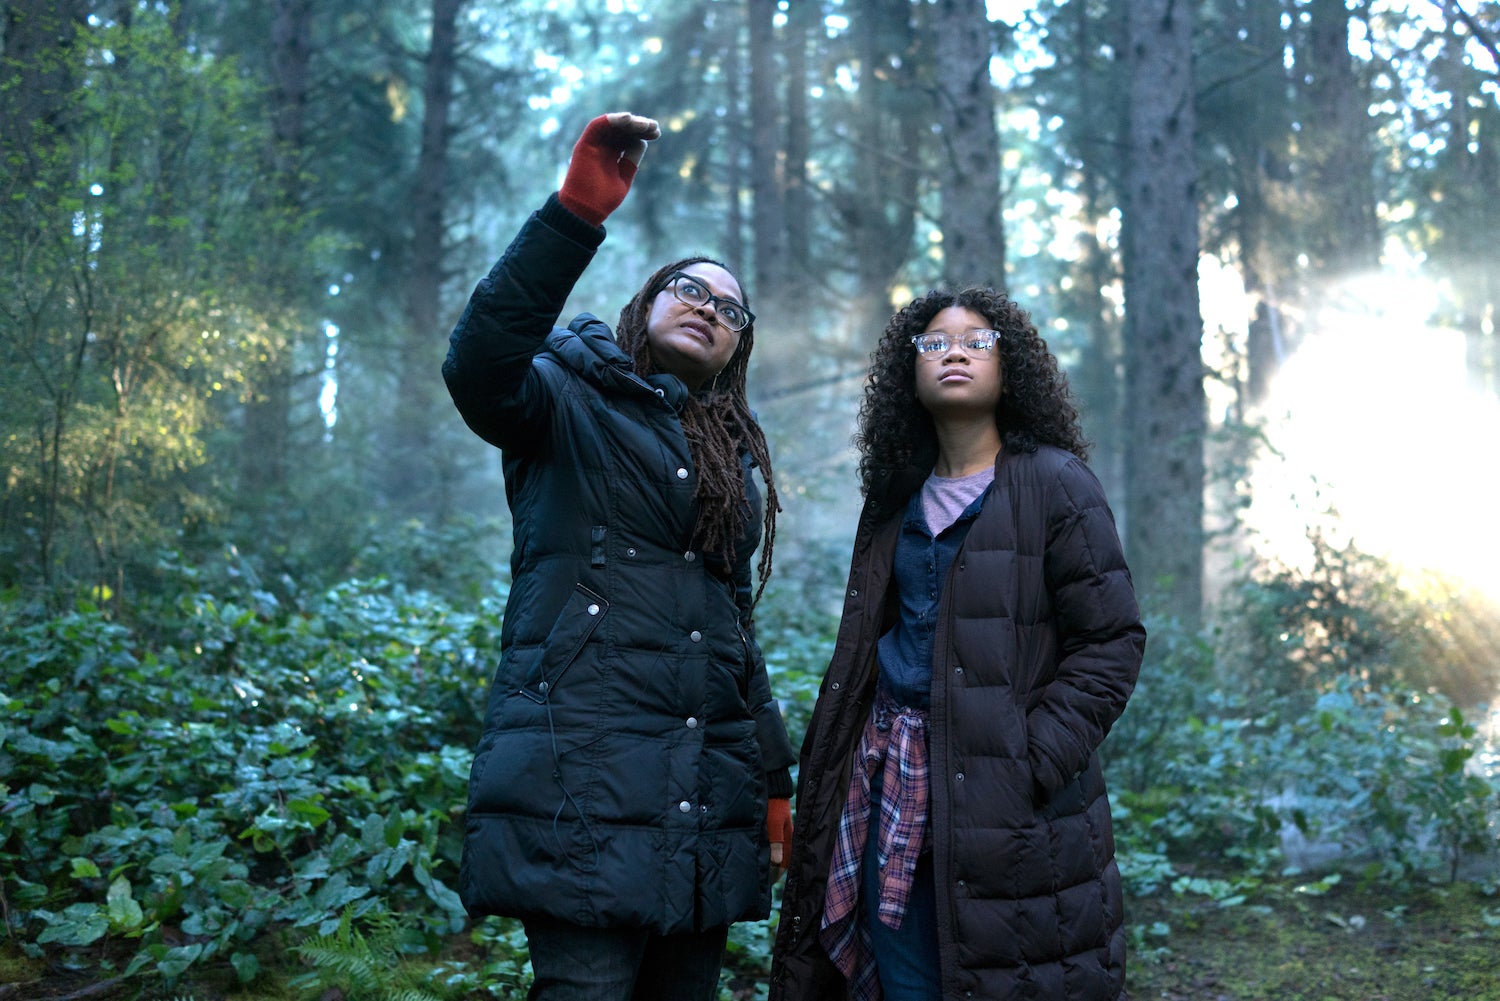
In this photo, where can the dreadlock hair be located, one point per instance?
(1036, 407)
(718, 424)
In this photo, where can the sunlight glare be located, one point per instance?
(1374, 419)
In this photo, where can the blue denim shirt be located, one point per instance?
(921, 567)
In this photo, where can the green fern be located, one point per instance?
(362, 968)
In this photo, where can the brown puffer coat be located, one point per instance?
(1038, 649)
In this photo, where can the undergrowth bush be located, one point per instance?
(267, 783)
(1301, 737)
(242, 772)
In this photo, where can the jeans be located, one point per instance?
(906, 958)
(572, 963)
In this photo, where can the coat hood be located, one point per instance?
(588, 347)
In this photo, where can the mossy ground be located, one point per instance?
(1348, 944)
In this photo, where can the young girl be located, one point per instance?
(953, 829)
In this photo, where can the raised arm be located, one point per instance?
(513, 308)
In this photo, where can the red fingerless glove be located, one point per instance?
(599, 174)
(779, 829)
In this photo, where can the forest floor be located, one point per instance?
(1348, 944)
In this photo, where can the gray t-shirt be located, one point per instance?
(944, 499)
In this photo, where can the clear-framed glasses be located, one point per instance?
(976, 343)
(693, 292)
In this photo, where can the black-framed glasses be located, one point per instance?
(693, 292)
(976, 343)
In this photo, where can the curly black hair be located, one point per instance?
(718, 424)
(1036, 407)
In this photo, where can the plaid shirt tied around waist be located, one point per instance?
(894, 744)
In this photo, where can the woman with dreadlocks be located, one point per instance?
(953, 832)
(618, 799)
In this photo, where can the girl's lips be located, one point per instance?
(954, 374)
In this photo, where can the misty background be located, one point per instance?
(1258, 234)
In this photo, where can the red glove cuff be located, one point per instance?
(779, 821)
(599, 174)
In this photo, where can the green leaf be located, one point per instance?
(80, 924)
(84, 868)
(309, 811)
(372, 833)
(1453, 760)
(246, 966)
(176, 961)
(124, 912)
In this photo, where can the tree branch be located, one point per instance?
(1480, 33)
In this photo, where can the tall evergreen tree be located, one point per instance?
(766, 155)
(876, 204)
(1456, 184)
(1164, 329)
(268, 411)
(416, 474)
(968, 143)
(1246, 114)
(1335, 153)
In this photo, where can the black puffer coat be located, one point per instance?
(621, 777)
(1038, 647)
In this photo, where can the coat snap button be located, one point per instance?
(695, 636)
(835, 686)
(690, 556)
(959, 777)
(630, 551)
(685, 806)
(692, 722)
(593, 609)
(682, 474)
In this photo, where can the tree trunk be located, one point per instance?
(1098, 379)
(768, 216)
(1472, 216)
(1164, 368)
(973, 233)
(736, 152)
(879, 211)
(415, 480)
(1346, 233)
(1258, 161)
(802, 18)
(267, 429)
(424, 291)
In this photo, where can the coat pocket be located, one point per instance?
(580, 616)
